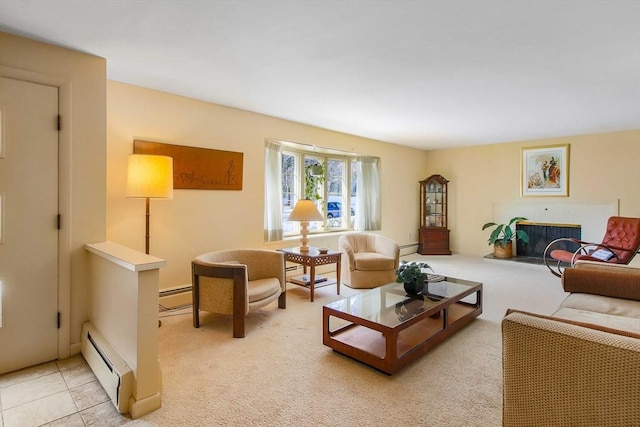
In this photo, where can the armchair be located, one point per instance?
(619, 245)
(237, 282)
(369, 260)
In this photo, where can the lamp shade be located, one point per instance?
(150, 176)
(305, 210)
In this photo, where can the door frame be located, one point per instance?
(64, 196)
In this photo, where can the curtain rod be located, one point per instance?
(321, 150)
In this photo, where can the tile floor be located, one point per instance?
(58, 393)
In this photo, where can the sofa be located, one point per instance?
(581, 365)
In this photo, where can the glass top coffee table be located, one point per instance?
(386, 328)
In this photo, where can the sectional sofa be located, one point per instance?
(581, 365)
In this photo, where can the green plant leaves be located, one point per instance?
(503, 233)
(410, 272)
(522, 235)
(313, 179)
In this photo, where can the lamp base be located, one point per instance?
(303, 236)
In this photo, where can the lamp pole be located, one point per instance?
(146, 236)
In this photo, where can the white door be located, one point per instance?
(28, 224)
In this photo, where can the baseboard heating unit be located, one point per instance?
(111, 370)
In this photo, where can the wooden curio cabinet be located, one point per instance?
(433, 233)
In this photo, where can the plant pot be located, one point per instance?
(412, 288)
(503, 251)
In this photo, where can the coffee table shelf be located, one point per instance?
(387, 329)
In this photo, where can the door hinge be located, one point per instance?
(59, 122)
(58, 320)
(59, 222)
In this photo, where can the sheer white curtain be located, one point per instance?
(272, 192)
(368, 197)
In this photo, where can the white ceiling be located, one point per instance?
(429, 74)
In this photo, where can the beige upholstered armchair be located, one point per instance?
(237, 282)
(369, 260)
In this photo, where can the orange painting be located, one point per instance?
(198, 168)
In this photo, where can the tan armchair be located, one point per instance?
(369, 260)
(237, 282)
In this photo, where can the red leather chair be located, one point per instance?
(619, 245)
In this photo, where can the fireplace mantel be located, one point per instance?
(548, 224)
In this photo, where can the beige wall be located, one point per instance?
(81, 80)
(197, 221)
(603, 168)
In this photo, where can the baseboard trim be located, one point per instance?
(408, 249)
(175, 290)
(175, 297)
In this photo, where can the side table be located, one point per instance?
(311, 259)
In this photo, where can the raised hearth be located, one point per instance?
(517, 258)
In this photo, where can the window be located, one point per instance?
(330, 178)
(321, 178)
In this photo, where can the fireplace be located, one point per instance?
(541, 234)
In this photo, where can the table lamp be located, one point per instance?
(304, 211)
(149, 177)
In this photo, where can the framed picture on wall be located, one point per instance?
(196, 167)
(545, 171)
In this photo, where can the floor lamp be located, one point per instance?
(149, 177)
(304, 211)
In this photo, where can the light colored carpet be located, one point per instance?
(281, 374)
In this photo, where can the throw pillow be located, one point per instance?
(602, 254)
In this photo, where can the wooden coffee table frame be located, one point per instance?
(388, 349)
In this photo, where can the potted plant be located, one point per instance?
(413, 276)
(502, 237)
(314, 176)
